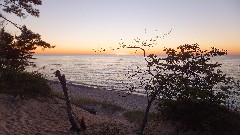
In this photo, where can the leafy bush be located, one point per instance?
(188, 74)
(192, 89)
(203, 116)
(187, 81)
(23, 84)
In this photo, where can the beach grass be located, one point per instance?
(109, 130)
(83, 101)
(136, 116)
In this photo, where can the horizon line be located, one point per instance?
(109, 54)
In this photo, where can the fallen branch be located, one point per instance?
(71, 117)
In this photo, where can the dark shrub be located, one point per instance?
(23, 84)
(203, 116)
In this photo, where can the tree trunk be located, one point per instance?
(71, 117)
(144, 123)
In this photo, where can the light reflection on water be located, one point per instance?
(101, 71)
(109, 71)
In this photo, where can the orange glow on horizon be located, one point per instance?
(232, 50)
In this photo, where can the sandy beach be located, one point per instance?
(123, 99)
(47, 116)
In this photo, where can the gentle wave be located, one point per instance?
(109, 71)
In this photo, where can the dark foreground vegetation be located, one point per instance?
(16, 51)
(191, 89)
(201, 116)
(23, 84)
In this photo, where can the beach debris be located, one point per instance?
(83, 125)
(90, 110)
(71, 116)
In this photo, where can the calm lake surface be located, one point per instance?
(109, 72)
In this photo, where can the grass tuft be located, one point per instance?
(136, 116)
(82, 101)
(109, 130)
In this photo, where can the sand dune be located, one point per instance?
(47, 116)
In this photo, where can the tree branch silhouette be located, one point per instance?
(16, 51)
(137, 43)
(1, 16)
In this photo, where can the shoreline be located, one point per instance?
(120, 98)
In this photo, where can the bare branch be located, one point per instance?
(1, 16)
(138, 48)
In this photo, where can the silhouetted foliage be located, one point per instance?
(185, 78)
(141, 44)
(18, 7)
(17, 51)
(137, 44)
(188, 74)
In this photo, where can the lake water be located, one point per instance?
(109, 71)
(99, 71)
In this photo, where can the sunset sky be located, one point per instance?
(79, 26)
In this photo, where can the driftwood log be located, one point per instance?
(71, 116)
